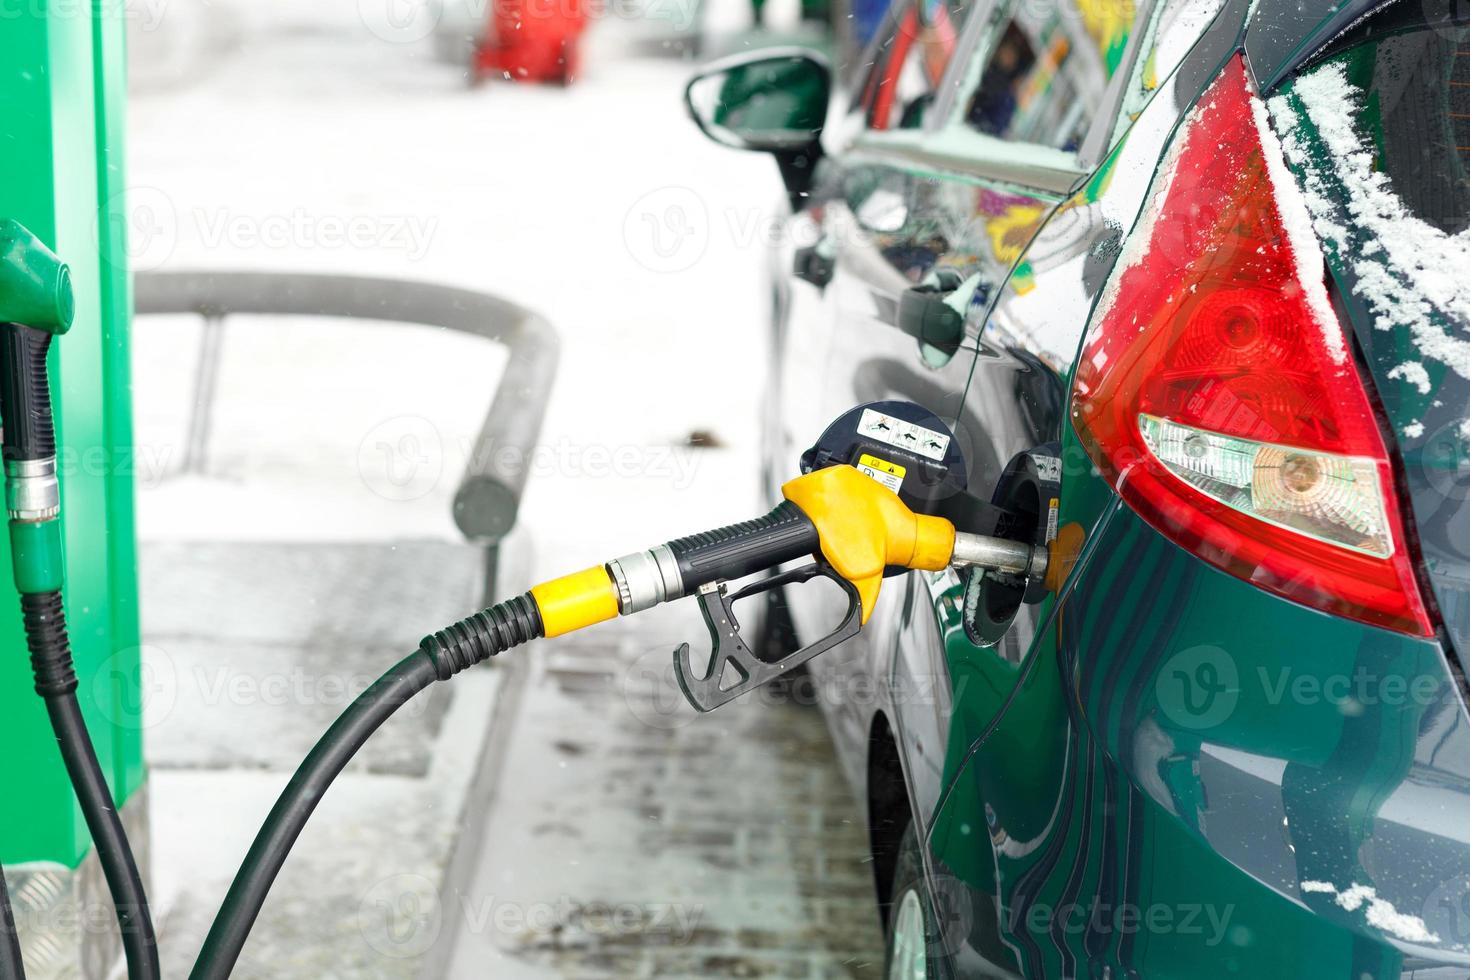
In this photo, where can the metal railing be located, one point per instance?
(489, 494)
(488, 497)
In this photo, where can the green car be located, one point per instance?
(1191, 279)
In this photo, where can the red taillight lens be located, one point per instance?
(1215, 390)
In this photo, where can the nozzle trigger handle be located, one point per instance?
(730, 655)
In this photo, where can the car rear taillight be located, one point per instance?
(1215, 390)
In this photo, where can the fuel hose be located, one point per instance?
(34, 504)
(629, 584)
(867, 539)
(439, 657)
(596, 594)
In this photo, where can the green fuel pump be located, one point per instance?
(34, 288)
(36, 304)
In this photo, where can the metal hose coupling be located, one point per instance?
(646, 578)
(32, 492)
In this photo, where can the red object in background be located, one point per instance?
(532, 40)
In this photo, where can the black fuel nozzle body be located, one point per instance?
(36, 304)
(25, 394)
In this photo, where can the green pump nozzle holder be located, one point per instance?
(35, 285)
(36, 304)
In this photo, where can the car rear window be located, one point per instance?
(1378, 129)
(1374, 129)
(1411, 64)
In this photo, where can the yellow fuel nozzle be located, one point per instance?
(855, 528)
(864, 528)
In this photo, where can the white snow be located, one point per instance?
(1380, 913)
(1414, 373)
(1415, 269)
(1354, 896)
(1295, 217)
(1306, 251)
(600, 206)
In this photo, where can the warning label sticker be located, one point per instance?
(889, 474)
(905, 435)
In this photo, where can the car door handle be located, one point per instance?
(815, 263)
(933, 312)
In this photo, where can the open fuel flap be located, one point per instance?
(1023, 508)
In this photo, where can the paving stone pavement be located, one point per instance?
(634, 838)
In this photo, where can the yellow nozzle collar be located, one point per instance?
(577, 600)
(864, 528)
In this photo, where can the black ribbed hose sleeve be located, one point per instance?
(439, 657)
(56, 682)
(11, 965)
(732, 552)
(25, 393)
(483, 635)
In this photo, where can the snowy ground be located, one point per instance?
(636, 839)
(273, 135)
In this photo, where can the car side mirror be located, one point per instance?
(773, 100)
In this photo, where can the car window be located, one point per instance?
(910, 63)
(1044, 73)
(1177, 25)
